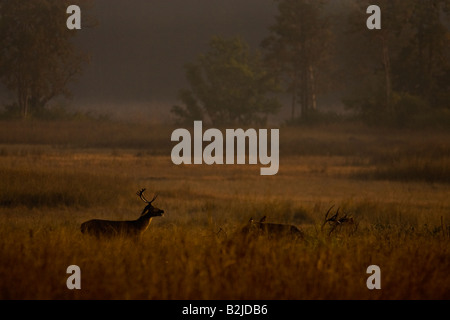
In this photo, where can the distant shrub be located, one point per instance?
(51, 113)
(405, 106)
(317, 117)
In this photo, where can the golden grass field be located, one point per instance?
(54, 176)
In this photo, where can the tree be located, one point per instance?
(403, 68)
(376, 49)
(228, 85)
(37, 56)
(423, 66)
(298, 49)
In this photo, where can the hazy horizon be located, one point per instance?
(138, 51)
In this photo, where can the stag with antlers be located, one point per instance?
(125, 228)
(336, 222)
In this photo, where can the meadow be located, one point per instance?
(56, 175)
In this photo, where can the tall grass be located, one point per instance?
(50, 184)
(86, 134)
(59, 188)
(430, 163)
(180, 261)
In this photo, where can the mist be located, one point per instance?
(138, 49)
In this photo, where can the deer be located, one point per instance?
(264, 228)
(137, 227)
(336, 222)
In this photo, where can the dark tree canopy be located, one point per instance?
(228, 85)
(37, 56)
(404, 68)
(298, 50)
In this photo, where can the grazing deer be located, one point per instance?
(336, 223)
(126, 228)
(264, 228)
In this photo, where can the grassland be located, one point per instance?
(55, 175)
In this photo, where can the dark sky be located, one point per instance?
(139, 47)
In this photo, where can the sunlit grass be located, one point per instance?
(195, 252)
(179, 261)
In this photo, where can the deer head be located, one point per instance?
(149, 210)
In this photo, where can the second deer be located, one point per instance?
(337, 222)
(268, 229)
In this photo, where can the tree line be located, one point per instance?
(38, 57)
(313, 49)
(322, 47)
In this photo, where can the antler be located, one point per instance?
(140, 193)
(335, 217)
(326, 217)
(336, 221)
